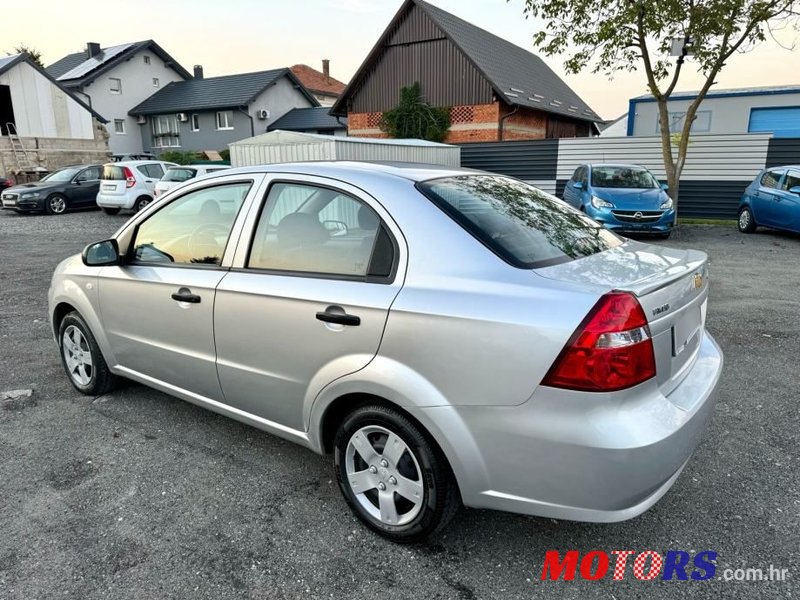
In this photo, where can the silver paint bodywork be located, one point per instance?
(459, 339)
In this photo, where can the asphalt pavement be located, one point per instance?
(139, 495)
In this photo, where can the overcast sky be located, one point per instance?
(237, 36)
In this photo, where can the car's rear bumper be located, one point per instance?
(579, 456)
(115, 201)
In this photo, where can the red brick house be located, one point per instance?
(496, 90)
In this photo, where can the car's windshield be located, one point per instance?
(623, 177)
(525, 226)
(179, 174)
(62, 174)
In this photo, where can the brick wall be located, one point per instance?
(525, 124)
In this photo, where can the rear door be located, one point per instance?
(786, 207)
(308, 297)
(764, 198)
(158, 307)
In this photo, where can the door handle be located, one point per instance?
(186, 295)
(340, 318)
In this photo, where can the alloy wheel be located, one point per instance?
(77, 355)
(384, 475)
(57, 205)
(744, 220)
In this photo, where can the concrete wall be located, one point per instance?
(278, 99)
(52, 153)
(728, 114)
(137, 85)
(42, 109)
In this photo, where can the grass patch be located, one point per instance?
(694, 221)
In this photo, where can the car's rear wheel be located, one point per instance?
(84, 363)
(393, 478)
(110, 211)
(141, 202)
(55, 204)
(747, 224)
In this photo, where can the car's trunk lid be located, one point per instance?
(670, 284)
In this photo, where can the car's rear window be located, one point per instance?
(112, 173)
(523, 225)
(182, 174)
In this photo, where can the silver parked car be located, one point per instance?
(448, 335)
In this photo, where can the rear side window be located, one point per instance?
(771, 179)
(112, 173)
(521, 224)
(174, 174)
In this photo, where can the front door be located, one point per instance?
(786, 207)
(158, 307)
(84, 188)
(310, 301)
(764, 200)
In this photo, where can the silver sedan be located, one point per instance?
(449, 336)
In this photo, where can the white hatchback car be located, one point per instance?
(178, 174)
(129, 184)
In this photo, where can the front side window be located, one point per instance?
(225, 119)
(791, 180)
(770, 179)
(192, 230)
(166, 131)
(310, 229)
(119, 126)
(523, 225)
(115, 85)
(623, 177)
(62, 175)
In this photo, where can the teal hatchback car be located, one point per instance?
(623, 198)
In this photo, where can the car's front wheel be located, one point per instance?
(747, 224)
(55, 204)
(392, 477)
(84, 363)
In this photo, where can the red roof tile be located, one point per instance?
(315, 81)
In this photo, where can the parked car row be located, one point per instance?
(112, 186)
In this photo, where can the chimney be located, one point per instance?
(326, 69)
(92, 49)
(198, 71)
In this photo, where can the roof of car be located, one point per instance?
(345, 169)
(134, 163)
(216, 167)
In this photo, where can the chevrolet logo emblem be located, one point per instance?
(697, 281)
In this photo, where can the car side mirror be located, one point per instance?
(795, 190)
(665, 186)
(101, 254)
(578, 185)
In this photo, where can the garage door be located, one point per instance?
(783, 122)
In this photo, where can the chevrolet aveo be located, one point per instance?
(449, 336)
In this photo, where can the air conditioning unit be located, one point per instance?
(182, 117)
(262, 114)
(141, 119)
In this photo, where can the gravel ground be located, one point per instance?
(139, 495)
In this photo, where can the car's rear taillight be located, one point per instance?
(130, 180)
(611, 350)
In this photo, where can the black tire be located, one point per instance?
(746, 222)
(110, 211)
(141, 202)
(101, 380)
(441, 499)
(55, 204)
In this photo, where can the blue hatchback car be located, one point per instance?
(623, 198)
(772, 200)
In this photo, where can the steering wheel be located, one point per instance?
(203, 240)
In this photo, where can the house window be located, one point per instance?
(119, 126)
(115, 85)
(225, 119)
(701, 124)
(195, 122)
(166, 131)
(155, 81)
(146, 59)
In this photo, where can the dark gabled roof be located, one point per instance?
(77, 69)
(9, 62)
(304, 119)
(517, 76)
(228, 91)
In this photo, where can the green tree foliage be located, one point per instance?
(413, 117)
(628, 35)
(178, 157)
(34, 54)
